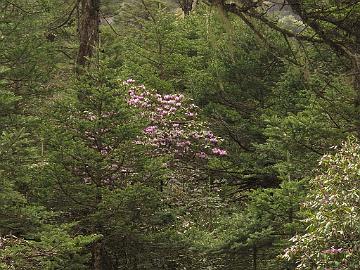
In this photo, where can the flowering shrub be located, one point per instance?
(332, 240)
(174, 127)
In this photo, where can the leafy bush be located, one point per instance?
(332, 238)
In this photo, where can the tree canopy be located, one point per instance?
(179, 134)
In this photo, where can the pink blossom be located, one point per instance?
(166, 112)
(183, 143)
(133, 101)
(333, 250)
(202, 155)
(150, 129)
(171, 102)
(196, 136)
(210, 134)
(128, 81)
(218, 151)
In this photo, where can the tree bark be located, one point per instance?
(186, 6)
(89, 21)
(254, 258)
(96, 256)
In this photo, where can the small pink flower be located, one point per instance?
(130, 81)
(183, 143)
(162, 112)
(150, 129)
(219, 152)
(171, 102)
(201, 155)
(332, 250)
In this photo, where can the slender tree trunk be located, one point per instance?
(161, 185)
(89, 21)
(186, 6)
(96, 256)
(254, 258)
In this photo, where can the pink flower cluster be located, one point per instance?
(150, 130)
(174, 127)
(201, 155)
(218, 151)
(159, 106)
(139, 100)
(333, 250)
(128, 81)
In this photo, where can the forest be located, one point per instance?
(180, 134)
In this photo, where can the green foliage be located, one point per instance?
(77, 192)
(262, 230)
(137, 217)
(52, 248)
(99, 177)
(331, 208)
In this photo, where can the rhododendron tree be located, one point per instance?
(174, 126)
(105, 168)
(332, 238)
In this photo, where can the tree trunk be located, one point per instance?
(186, 6)
(254, 258)
(96, 256)
(88, 30)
